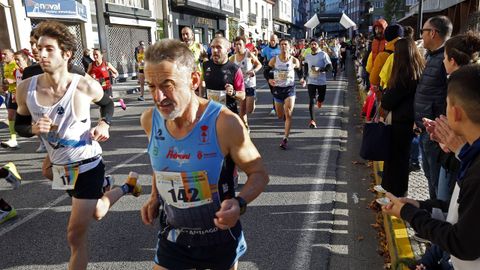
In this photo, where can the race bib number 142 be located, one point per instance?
(184, 189)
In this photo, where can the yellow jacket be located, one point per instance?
(379, 61)
(369, 63)
(386, 71)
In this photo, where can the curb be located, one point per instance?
(398, 241)
(399, 245)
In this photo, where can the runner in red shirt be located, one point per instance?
(100, 71)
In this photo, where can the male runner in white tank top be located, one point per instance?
(58, 104)
(282, 79)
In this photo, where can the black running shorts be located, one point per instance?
(220, 257)
(314, 90)
(9, 104)
(89, 184)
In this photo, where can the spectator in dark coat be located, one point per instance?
(430, 98)
(398, 99)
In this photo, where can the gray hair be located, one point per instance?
(171, 50)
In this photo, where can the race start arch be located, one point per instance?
(321, 18)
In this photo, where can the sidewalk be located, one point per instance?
(404, 250)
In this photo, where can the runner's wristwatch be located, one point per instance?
(242, 204)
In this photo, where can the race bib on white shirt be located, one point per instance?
(219, 96)
(65, 176)
(184, 189)
(280, 75)
(314, 72)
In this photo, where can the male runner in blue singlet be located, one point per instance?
(190, 139)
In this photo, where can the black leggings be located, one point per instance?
(315, 93)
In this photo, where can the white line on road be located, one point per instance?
(51, 204)
(303, 252)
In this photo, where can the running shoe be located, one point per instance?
(122, 104)
(12, 144)
(319, 104)
(6, 215)
(13, 176)
(41, 148)
(108, 183)
(312, 124)
(132, 182)
(141, 98)
(272, 112)
(283, 145)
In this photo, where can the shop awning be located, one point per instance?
(56, 9)
(430, 6)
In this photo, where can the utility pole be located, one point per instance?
(420, 18)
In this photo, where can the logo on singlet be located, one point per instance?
(202, 155)
(158, 135)
(180, 157)
(60, 110)
(204, 134)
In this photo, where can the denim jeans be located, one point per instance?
(446, 182)
(415, 150)
(436, 259)
(431, 167)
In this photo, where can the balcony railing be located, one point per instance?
(264, 23)
(252, 18)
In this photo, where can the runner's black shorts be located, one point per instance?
(282, 93)
(314, 90)
(250, 92)
(89, 184)
(220, 257)
(9, 104)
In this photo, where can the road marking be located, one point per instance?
(53, 203)
(303, 252)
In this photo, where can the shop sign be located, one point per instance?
(205, 21)
(228, 5)
(58, 9)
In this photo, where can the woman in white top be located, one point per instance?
(249, 65)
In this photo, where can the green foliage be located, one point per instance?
(232, 29)
(394, 8)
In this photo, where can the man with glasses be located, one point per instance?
(431, 94)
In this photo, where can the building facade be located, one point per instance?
(300, 17)
(282, 17)
(255, 20)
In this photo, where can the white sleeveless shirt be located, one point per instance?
(246, 65)
(69, 138)
(284, 72)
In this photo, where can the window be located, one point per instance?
(128, 3)
(256, 8)
(378, 4)
(198, 32)
(249, 6)
(263, 12)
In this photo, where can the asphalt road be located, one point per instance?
(313, 214)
